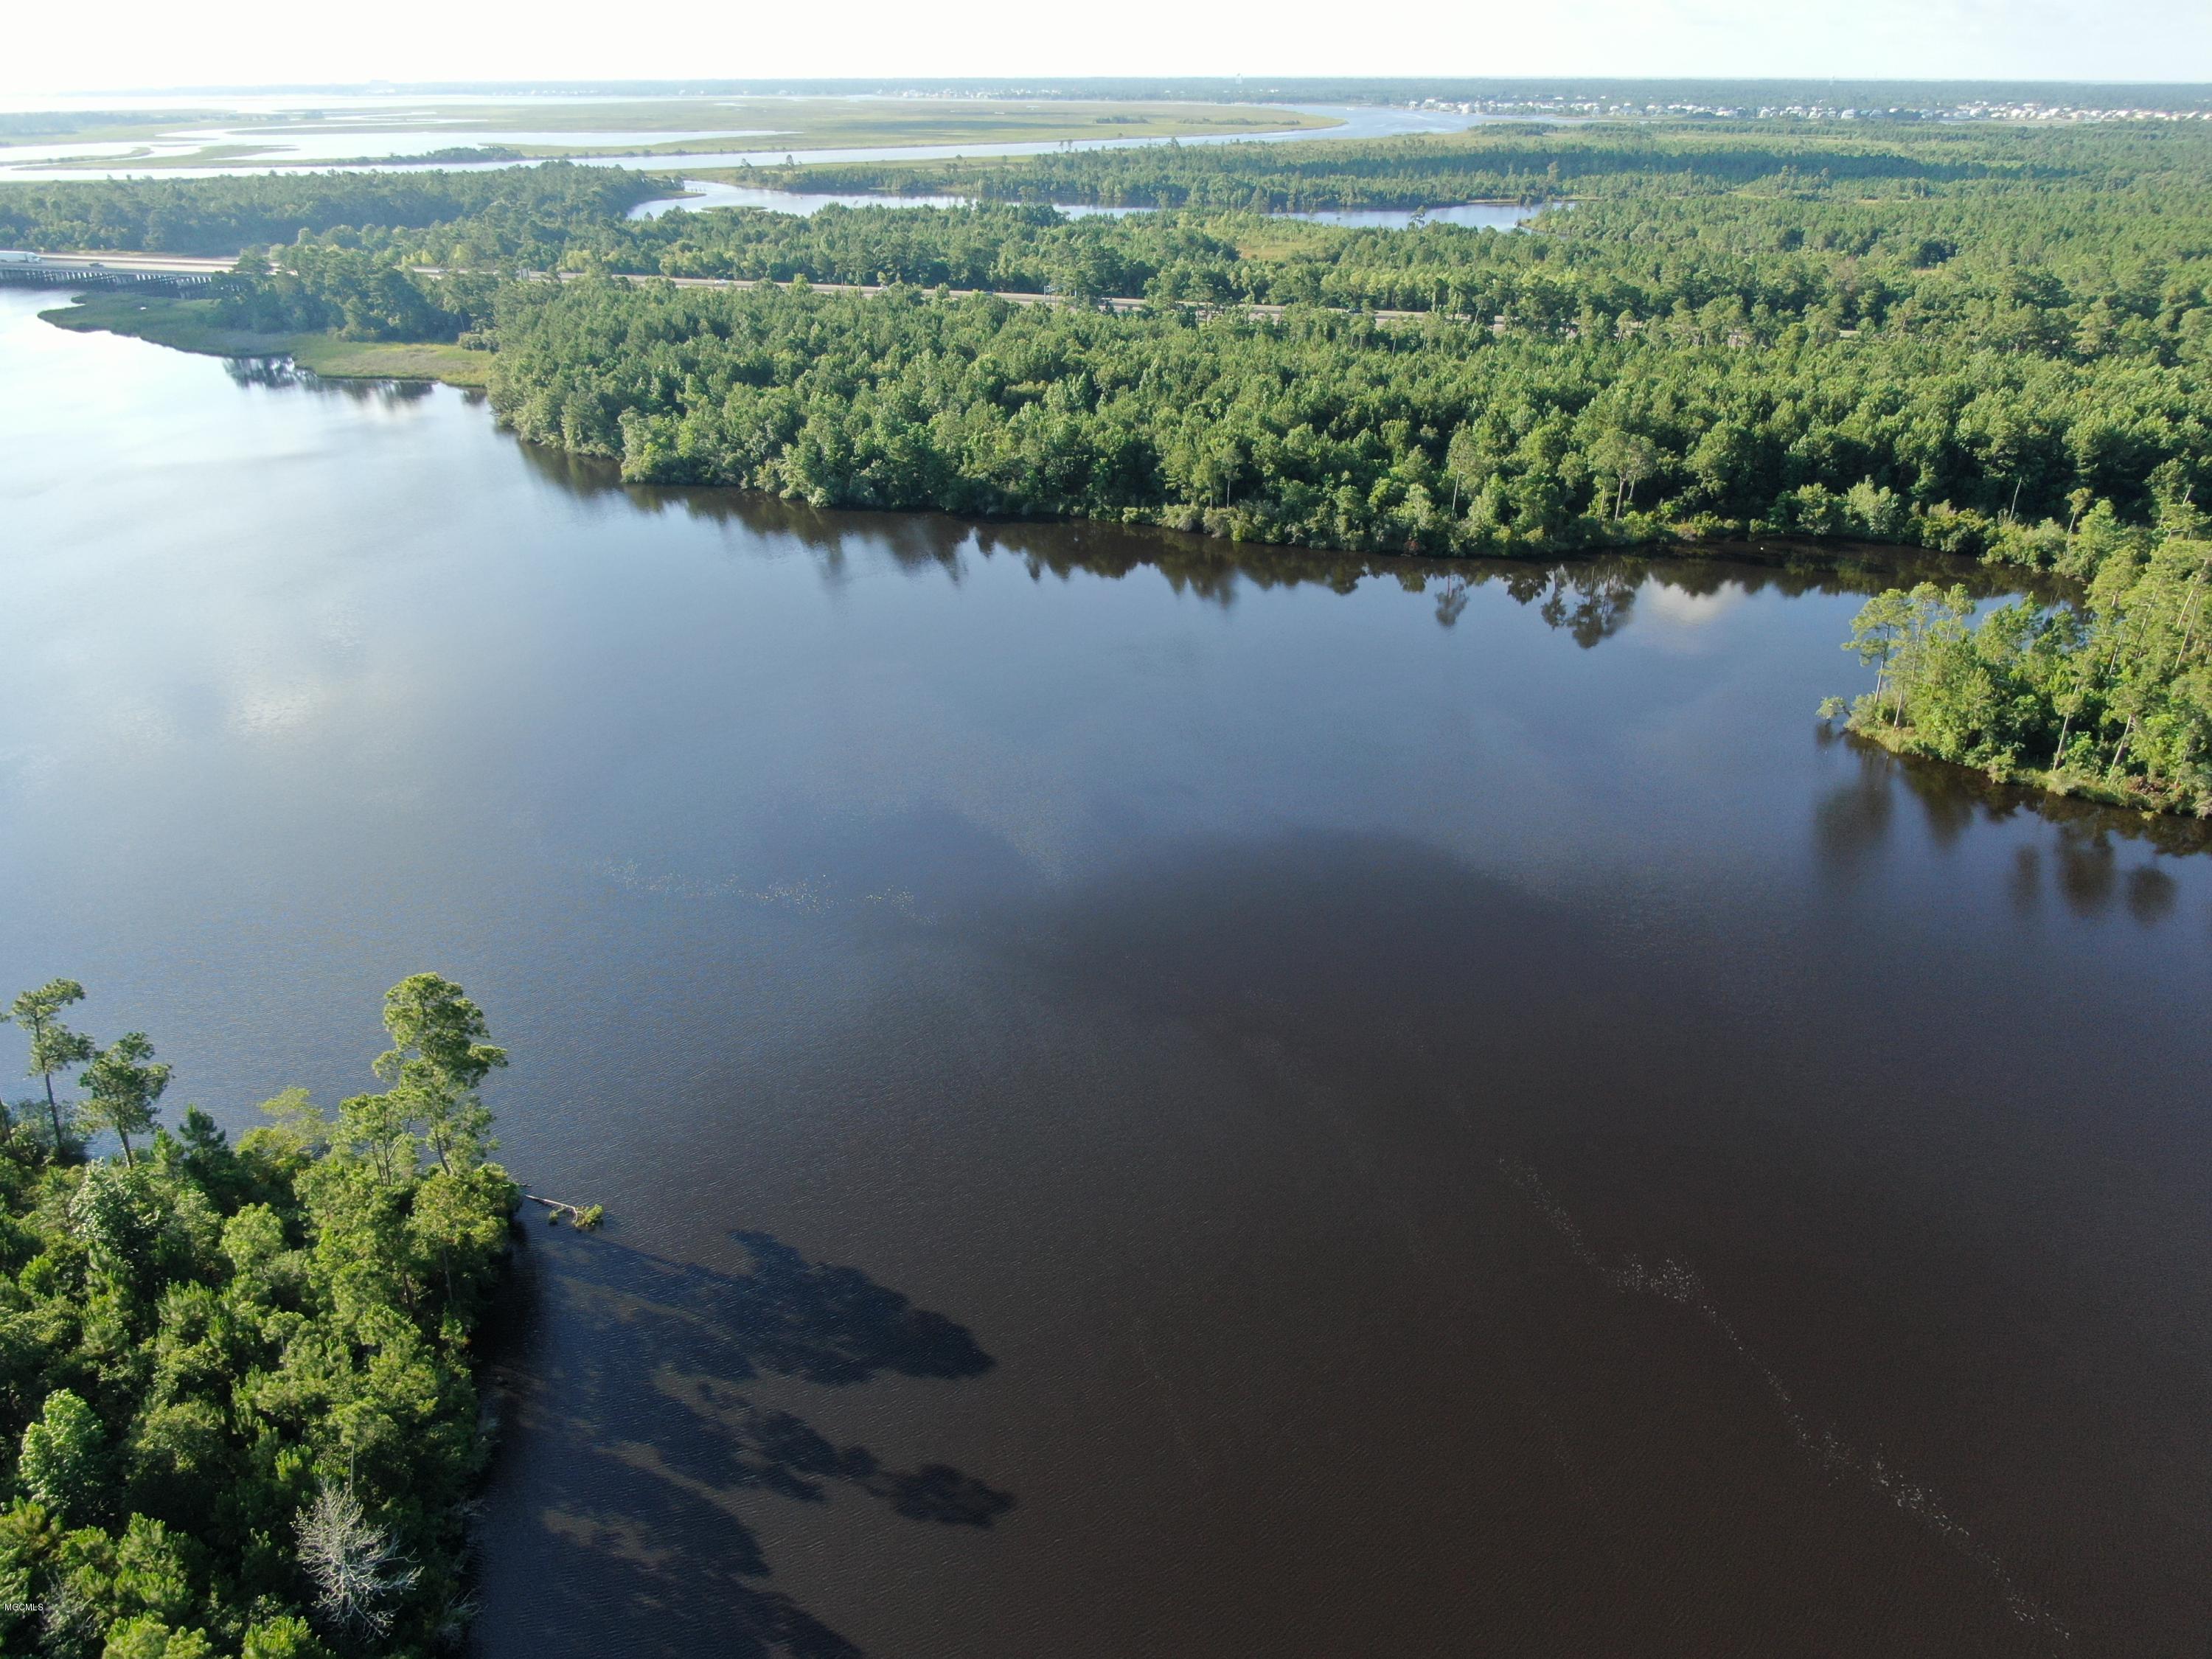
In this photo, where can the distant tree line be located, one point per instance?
(223, 216)
(1526, 163)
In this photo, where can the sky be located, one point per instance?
(152, 44)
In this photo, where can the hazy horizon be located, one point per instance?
(150, 49)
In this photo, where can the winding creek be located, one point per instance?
(1151, 1101)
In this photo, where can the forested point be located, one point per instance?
(2111, 699)
(1983, 340)
(237, 1410)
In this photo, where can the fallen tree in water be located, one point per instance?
(582, 1217)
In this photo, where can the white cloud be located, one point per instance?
(1675, 619)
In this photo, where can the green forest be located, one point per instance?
(222, 216)
(238, 1415)
(1985, 340)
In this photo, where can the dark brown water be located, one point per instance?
(1148, 1106)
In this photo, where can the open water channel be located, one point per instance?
(701, 195)
(1150, 1100)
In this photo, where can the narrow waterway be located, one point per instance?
(703, 194)
(1151, 1100)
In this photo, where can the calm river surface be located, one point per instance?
(1147, 1107)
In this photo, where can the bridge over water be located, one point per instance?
(79, 274)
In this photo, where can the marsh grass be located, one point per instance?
(191, 326)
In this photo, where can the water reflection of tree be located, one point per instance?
(2151, 893)
(1604, 600)
(1589, 596)
(643, 1442)
(282, 374)
(1853, 819)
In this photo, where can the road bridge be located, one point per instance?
(176, 275)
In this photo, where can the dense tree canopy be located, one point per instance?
(237, 1413)
(223, 216)
(1331, 429)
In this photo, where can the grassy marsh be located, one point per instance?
(191, 326)
(788, 124)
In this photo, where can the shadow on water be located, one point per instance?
(638, 1443)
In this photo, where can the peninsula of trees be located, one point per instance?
(238, 1419)
(2110, 699)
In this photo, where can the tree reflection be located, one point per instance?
(1604, 598)
(1591, 597)
(2088, 872)
(1853, 819)
(2151, 894)
(282, 374)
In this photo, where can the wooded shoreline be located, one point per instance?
(1992, 341)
